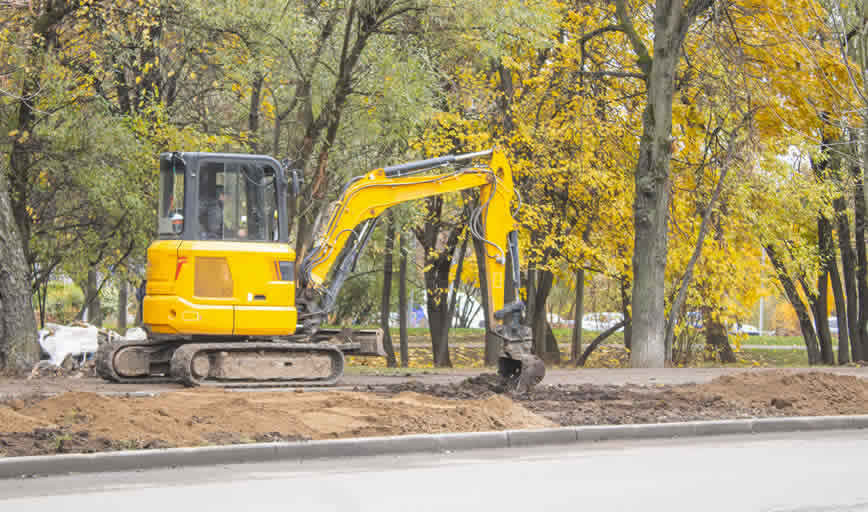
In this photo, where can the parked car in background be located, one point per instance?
(601, 321)
(748, 329)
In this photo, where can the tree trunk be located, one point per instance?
(538, 290)
(625, 311)
(437, 265)
(402, 302)
(821, 311)
(385, 305)
(651, 203)
(456, 282)
(578, 313)
(848, 271)
(716, 337)
(140, 303)
(861, 265)
(436, 285)
(19, 349)
(681, 296)
(808, 333)
(41, 301)
(95, 304)
(583, 358)
(122, 305)
(819, 304)
(651, 177)
(841, 312)
(438, 324)
(92, 306)
(553, 350)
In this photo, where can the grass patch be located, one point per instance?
(787, 358)
(796, 341)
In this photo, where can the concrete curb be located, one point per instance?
(44, 465)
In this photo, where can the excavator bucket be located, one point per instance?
(521, 375)
(517, 366)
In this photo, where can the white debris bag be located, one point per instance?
(69, 340)
(137, 334)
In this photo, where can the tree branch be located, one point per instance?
(644, 60)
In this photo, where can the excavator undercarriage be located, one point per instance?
(237, 362)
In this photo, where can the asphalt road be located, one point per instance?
(820, 471)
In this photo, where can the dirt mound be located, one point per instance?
(480, 386)
(813, 393)
(744, 395)
(196, 417)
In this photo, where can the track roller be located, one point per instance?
(256, 364)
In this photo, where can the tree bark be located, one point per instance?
(848, 274)
(625, 310)
(583, 358)
(122, 305)
(819, 304)
(19, 349)
(402, 302)
(841, 313)
(140, 300)
(821, 311)
(437, 265)
(385, 305)
(92, 305)
(808, 333)
(716, 337)
(578, 313)
(456, 282)
(861, 264)
(538, 289)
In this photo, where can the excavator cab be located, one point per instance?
(221, 196)
(222, 264)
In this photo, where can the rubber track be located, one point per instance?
(105, 358)
(182, 363)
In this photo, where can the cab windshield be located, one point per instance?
(237, 201)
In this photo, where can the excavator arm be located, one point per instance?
(351, 219)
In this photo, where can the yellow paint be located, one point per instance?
(259, 303)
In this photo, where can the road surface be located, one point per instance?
(802, 472)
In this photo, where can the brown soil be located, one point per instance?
(87, 421)
(767, 394)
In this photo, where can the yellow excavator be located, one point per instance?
(225, 305)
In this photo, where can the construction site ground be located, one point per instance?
(67, 414)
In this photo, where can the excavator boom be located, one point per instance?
(351, 219)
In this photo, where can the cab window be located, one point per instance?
(237, 201)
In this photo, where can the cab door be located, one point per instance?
(265, 289)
